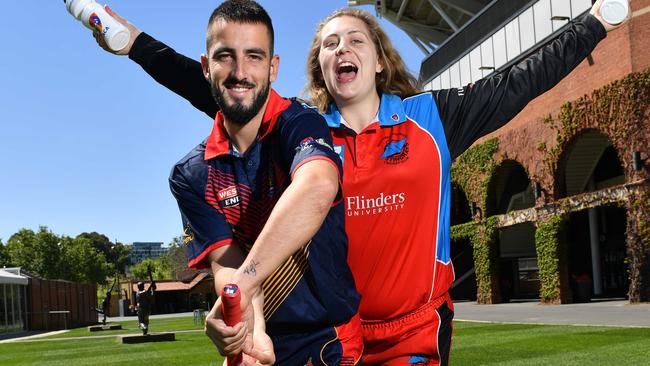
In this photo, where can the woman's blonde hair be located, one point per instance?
(394, 78)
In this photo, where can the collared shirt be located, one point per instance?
(396, 180)
(397, 172)
(226, 197)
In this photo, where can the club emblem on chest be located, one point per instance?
(396, 149)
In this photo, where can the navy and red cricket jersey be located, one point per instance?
(225, 198)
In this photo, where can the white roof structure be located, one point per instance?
(8, 278)
(427, 22)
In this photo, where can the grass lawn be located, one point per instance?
(473, 344)
(190, 348)
(518, 344)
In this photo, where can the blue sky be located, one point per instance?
(87, 139)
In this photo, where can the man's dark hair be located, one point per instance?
(242, 11)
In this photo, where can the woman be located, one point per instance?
(397, 151)
(396, 145)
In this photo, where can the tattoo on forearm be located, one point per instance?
(251, 269)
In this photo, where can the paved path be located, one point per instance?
(608, 313)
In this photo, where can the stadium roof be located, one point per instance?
(427, 22)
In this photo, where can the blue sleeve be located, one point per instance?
(306, 137)
(204, 227)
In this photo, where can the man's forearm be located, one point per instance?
(223, 262)
(295, 219)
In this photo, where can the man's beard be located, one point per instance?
(238, 113)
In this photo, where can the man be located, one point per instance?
(256, 199)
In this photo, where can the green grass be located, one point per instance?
(473, 344)
(518, 344)
(190, 348)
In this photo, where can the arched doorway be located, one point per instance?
(596, 239)
(511, 190)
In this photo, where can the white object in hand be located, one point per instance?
(93, 16)
(614, 11)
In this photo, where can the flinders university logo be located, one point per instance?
(378, 205)
(228, 197)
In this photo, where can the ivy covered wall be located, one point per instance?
(621, 111)
(550, 245)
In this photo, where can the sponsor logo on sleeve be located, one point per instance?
(228, 197)
(306, 142)
(310, 141)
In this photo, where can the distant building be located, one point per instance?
(13, 290)
(31, 303)
(144, 250)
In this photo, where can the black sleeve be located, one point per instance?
(178, 73)
(480, 108)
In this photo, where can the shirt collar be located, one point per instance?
(391, 112)
(218, 142)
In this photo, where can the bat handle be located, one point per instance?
(230, 299)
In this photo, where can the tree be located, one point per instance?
(58, 257)
(159, 269)
(117, 254)
(176, 256)
(38, 252)
(85, 263)
(121, 257)
(4, 255)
